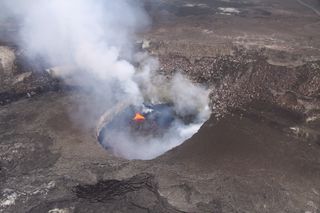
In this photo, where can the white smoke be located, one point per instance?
(187, 99)
(96, 37)
(145, 148)
(92, 35)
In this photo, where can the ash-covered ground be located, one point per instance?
(259, 151)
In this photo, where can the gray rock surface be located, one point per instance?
(7, 58)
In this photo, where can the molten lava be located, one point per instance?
(138, 117)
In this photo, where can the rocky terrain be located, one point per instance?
(259, 152)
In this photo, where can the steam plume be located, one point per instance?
(95, 37)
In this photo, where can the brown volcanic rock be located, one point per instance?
(48, 162)
(21, 78)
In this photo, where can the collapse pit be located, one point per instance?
(147, 131)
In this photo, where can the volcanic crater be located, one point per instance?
(259, 150)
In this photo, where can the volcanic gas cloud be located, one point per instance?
(96, 39)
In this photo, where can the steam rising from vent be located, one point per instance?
(94, 39)
(92, 35)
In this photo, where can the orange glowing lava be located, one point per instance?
(139, 117)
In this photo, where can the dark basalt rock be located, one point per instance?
(107, 190)
(136, 194)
